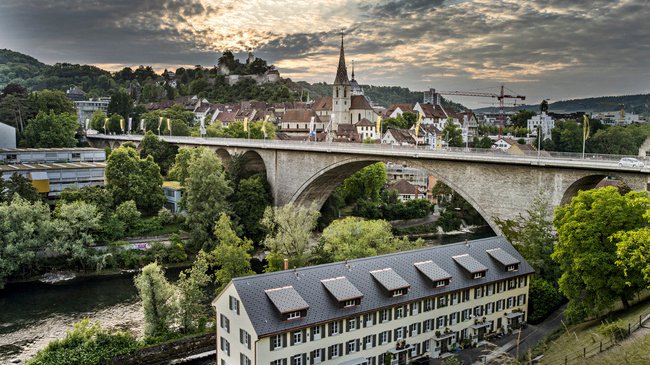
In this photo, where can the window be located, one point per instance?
(489, 307)
(350, 303)
(415, 306)
(384, 316)
(414, 329)
(316, 333)
(426, 346)
(296, 360)
(510, 302)
(278, 362)
(512, 267)
(352, 324)
(277, 342)
(442, 302)
(369, 341)
(399, 292)
(225, 323)
(384, 337)
(369, 319)
(297, 337)
(225, 346)
(244, 360)
(441, 283)
(521, 299)
(490, 290)
(351, 346)
(334, 351)
(478, 292)
(453, 318)
(399, 333)
(335, 328)
(427, 325)
(499, 305)
(428, 305)
(478, 310)
(454, 298)
(317, 356)
(294, 315)
(245, 338)
(478, 275)
(76, 155)
(399, 312)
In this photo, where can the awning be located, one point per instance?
(397, 351)
(482, 325)
(512, 315)
(444, 336)
(357, 361)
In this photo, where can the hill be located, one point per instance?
(639, 104)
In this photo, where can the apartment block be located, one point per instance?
(403, 305)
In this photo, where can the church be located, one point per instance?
(348, 106)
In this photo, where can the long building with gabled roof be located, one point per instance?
(404, 305)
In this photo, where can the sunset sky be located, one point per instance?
(542, 49)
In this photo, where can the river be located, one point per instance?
(32, 314)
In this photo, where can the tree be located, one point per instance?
(250, 199)
(97, 120)
(127, 213)
(128, 177)
(586, 253)
(157, 296)
(565, 137)
(18, 184)
(483, 142)
(452, 134)
(52, 101)
(98, 196)
(179, 170)
(192, 284)
(205, 197)
(231, 255)
(543, 106)
(353, 237)
(50, 130)
(75, 225)
(520, 119)
(289, 230)
(121, 104)
(163, 153)
(364, 184)
(633, 249)
(24, 228)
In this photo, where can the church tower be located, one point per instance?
(341, 93)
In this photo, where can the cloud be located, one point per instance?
(546, 48)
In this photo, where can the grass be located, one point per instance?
(574, 339)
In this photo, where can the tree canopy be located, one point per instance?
(50, 130)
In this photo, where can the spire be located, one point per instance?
(342, 71)
(352, 69)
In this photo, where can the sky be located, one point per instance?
(546, 49)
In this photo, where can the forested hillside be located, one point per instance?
(639, 104)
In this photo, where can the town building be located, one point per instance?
(398, 137)
(86, 108)
(7, 136)
(513, 147)
(406, 191)
(543, 122)
(51, 170)
(173, 194)
(372, 311)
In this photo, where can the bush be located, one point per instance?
(128, 214)
(614, 331)
(165, 216)
(448, 221)
(86, 344)
(544, 298)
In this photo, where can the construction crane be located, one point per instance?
(501, 97)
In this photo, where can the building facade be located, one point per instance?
(543, 122)
(403, 305)
(86, 108)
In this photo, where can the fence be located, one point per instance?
(596, 348)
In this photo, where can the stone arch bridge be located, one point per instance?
(497, 185)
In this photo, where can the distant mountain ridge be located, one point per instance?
(639, 104)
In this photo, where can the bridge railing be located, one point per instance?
(424, 149)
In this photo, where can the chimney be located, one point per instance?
(286, 264)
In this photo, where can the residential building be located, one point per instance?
(86, 108)
(7, 136)
(75, 94)
(407, 304)
(173, 194)
(543, 122)
(399, 137)
(366, 129)
(513, 147)
(406, 191)
(53, 169)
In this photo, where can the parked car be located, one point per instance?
(630, 162)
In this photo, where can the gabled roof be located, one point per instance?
(307, 282)
(503, 257)
(359, 102)
(403, 187)
(286, 299)
(341, 288)
(324, 103)
(364, 122)
(299, 116)
(469, 263)
(401, 135)
(432, 271)
(404, 107)
(389, 279)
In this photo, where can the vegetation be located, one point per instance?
(452, 134)
(157, 296)
(50, 130)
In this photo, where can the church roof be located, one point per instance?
(323, 103)
(359, 102)
(342, 71)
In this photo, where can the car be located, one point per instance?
(630, 162)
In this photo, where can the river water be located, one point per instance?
(33, 314)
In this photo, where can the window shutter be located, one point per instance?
(284, 361)
(237, 307)
(340, 348)
(241, 335)
(304, 358)
(271, 343)
(358, 344)
(331, 328)
(248, 337)
(323, 333)
(284, 340)
(291, 338)
(389, 334)
(329, 352)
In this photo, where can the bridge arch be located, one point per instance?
(320, 186)
(224, 155)
(251, 163)
(584, 183)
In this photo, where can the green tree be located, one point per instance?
(179, 170)
(586, 253)
(98, 196)
(192, 284)
(127, 213)
(205, 196)
(353, 237)
(52, 101)
(633, 248)
(252, 196)
(75, 226)
(97, 120)
(121, 104)
(483, 142)
(157, 296)
(24, 229)
(163, 152)
(364, 184)
(565, 137)
(289, 232)
(452, 134)
(128, 177)
(50, 130)
(18, 184)
(231, 255)
(520, 119)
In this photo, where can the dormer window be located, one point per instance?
(513, 267)
(288, 302)
(398, 292)
(474, 268)
(441, 283)
(293, 315)
(436, 275)
(350, 303)
(343, 291)
(509, 262)
(393, 284)
(479, 275)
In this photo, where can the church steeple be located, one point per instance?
(352, 69)
(342, 71)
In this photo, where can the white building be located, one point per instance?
(7, 136)
(408, 304)
(543, 121)
(86, 108)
